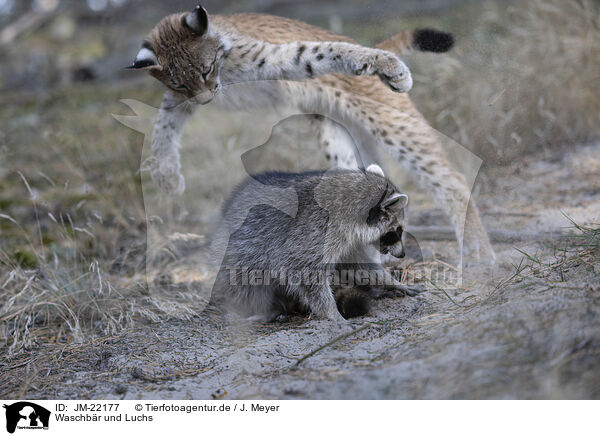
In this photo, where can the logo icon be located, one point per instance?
(26, 415)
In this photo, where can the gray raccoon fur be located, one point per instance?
(340, 218)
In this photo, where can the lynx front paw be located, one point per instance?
(169, 179)
(390, 69)
(393, 72)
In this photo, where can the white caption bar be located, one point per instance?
(297, 417)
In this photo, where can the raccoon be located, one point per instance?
(276, 262)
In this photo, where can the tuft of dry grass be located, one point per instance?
(73, 230)
(521, 79)
(577, 255)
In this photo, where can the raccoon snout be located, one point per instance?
(397, 251)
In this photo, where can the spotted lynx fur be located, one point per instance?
(319, 72)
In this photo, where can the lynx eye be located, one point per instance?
(209, 72)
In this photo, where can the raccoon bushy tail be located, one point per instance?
(351, 302)
(418, 40)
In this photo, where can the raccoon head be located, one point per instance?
(185, 55)
(387, 216)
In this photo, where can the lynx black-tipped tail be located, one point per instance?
(432, 40)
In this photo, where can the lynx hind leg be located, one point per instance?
(337, 144)
(452, 194)
(422, 155)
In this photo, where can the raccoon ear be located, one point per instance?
(397, 200)
(145, 60)
(375, 169)
(197, 20)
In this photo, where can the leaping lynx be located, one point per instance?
(194, 56)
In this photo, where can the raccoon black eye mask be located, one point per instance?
(390, 239)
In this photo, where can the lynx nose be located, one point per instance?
(216, 86)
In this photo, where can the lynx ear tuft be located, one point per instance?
(144, 60)
(375, 169)
(197, 20)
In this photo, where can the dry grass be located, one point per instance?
(577, 253)
(72, 230)
(521, 79)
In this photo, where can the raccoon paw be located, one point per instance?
(411, 291)
(398, 291)
(280, 318)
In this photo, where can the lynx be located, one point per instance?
(320, 72)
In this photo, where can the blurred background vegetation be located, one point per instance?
(524, 74)
(523, 78)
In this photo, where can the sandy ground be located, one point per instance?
(532, 335)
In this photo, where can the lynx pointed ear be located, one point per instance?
(145, 59)
(399, 201)
(375, 169)
(197, 20)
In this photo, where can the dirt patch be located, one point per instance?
(526, 329)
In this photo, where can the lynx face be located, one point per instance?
(182, 53)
